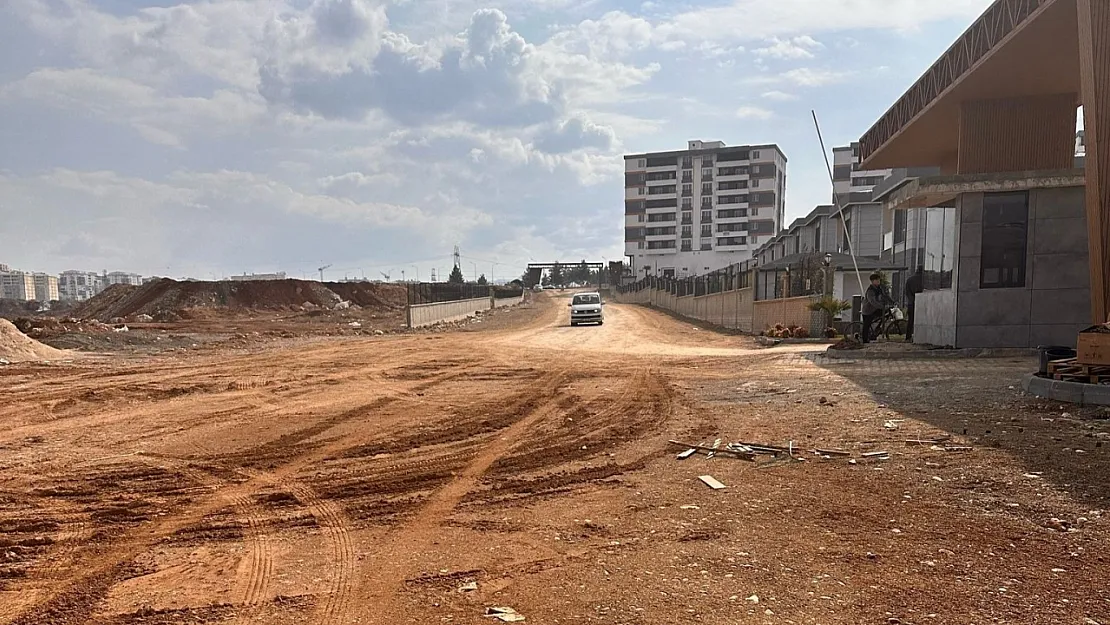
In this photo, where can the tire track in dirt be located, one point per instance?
(260, 554)
(337, 604)
(416, 536)
(98, 567)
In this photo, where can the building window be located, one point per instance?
(687, 231)
(707, 160)
(899, 227)
(687, 162)
(755, 154)
(687, 190)
(707, 188)
(755, 183)
(642, 163)
(1005, 236)
(687, 203)
(706, 216)
(707, 230)
(640, 218)
(817, 239)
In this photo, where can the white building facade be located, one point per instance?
(694, 211)
(79, 285)
(17, 285)
(121, 277)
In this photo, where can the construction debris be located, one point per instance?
(686, 454)
(469, 587)
(711, 482)
(726, 450)
(505, 615)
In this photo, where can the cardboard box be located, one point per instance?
(1093, 346)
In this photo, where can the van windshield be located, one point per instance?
(586, 299)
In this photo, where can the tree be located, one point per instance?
(557, 275)
(482, 280)
(456, 276)
(581, 273)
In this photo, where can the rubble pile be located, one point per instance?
(18, 347)
(169, 300)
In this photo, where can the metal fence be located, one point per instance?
(731, 278)
(436, 292)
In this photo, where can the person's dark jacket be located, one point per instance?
(914, 285)
(875, 300)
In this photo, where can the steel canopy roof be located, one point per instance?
(1017, 48)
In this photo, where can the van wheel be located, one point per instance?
(573, 324)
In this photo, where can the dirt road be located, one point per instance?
(369, 480)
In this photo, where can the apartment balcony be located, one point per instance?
(687, 194)
(687, 221)
(687, 179)
(706, 177)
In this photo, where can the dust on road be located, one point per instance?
(368, 480)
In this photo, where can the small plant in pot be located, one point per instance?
(831, 307)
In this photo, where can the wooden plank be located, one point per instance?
(711, 482)
(686, 454)
(725, 450)
(1094, 79)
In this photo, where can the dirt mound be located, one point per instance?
(370, 294)
(18, 347)
(165, 299)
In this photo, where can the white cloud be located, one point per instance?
(753, 112)
(800, 47)
(795, 17)
(779, 96)
(574, 134)
(809, 77)
(165, 120)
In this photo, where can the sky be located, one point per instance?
(203, 139)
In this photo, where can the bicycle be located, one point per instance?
(892, 322)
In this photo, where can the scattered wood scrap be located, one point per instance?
(711, 482)
(724, 450)
(1071, 370)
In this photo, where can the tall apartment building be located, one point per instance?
(79, 285)
(693, 211)
(46, 287)
(17, 285)
(850, 183)
(120, 277)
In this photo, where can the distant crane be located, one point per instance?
(385, 275)
(321, 270)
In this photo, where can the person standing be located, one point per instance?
(914, 285)
(875, 303)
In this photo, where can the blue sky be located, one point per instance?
(209, 138)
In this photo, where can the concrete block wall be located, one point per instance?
(420, 315)
(508, 301)
(729, 309)
(934, 320)
(788, 311)
(1054, 304)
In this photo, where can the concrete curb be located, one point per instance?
(1071, 392)
(931, 354)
